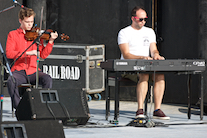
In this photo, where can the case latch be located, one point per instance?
(79, 58)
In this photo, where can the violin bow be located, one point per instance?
(41, 18)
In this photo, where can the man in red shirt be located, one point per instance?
(24, 69)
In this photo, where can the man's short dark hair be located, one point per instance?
(135, 9)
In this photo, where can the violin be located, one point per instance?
(32, 34)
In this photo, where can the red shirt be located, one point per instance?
(15, 46)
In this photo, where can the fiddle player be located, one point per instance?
(139, 42)
(24, 69)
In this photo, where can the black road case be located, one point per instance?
(76, 66)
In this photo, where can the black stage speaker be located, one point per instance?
(68, 105)
(32, 129)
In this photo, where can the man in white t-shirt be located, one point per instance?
(139, 42)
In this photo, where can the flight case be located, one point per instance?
(76, 66)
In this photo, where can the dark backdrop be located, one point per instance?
(92, 21)
(178, 27)
(9, 19)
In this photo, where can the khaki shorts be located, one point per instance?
(135, 77)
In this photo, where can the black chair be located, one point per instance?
(115, 80)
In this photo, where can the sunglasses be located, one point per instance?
(141, 19)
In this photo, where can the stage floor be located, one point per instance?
(178, 126)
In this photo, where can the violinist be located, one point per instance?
(24, 69)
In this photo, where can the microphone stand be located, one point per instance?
(16, 2)
(9, 8)
(38, 60)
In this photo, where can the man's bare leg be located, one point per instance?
(159, 88)
(142, 88)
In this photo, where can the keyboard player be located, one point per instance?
(139, 42)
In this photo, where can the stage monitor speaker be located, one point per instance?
(68, 105)
(32, 129)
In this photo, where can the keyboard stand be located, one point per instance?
(116, 106)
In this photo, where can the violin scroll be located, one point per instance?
(64, 37)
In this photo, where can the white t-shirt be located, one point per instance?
(138, 40)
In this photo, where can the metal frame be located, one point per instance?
(116, 106)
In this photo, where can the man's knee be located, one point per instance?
(143, 77)
(47, 77)
(159, 77)
(47, 81)
(10, 82)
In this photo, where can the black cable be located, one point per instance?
(50, 110)
(199, 123)
(66, 111)
(63, 107)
